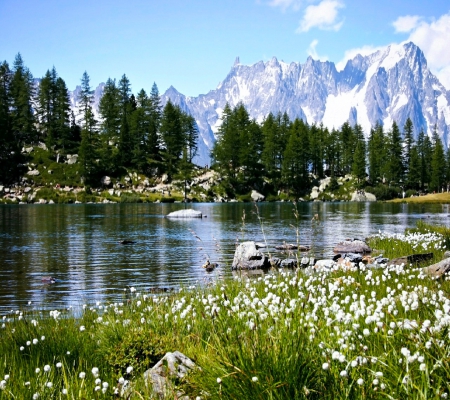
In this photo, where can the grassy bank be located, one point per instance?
(355, 334)
(437, 198)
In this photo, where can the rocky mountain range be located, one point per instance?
(388, 85)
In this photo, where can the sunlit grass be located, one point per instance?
(355, 334)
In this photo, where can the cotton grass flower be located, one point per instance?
(95, 372)
(255, 379)
(47, 368)
(82, 375)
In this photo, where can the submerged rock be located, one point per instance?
(189, 213)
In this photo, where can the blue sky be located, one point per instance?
(192, 44)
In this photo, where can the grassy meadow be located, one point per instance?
(296, 334)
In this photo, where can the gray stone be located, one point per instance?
(106, 180)
(33, 172)
(256, 196)
(189, 213)
(359, 195)
(439, 269)
(111, 192)
(42, 146)
(353, 257)
(172, 366)
(289, 263)
(352, 246)
(247, 256)
(27, 190)
(411, 259)
(446, 254)
(324, 264)
(72, 159)
(1, 188)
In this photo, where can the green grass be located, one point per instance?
(358, 334)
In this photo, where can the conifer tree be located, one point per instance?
(359, 158)
(62, 115)
(226, 149)
(347, 144)
(109, 109)
(438, 163)
(172, 135)
(9, 148)
(88, 145)
(394, 169)
(408, 143)
(22, 94)
(271, 148)
(376, 153)
(295, 159)
(125, 110)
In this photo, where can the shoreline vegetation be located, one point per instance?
(353, 332)
(96, 144)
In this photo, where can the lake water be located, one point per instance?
(79, 244)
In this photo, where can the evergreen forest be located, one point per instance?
(136, 133)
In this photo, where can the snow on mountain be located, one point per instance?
(389, 85)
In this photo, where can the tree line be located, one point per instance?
(290, 155)
(133, 132)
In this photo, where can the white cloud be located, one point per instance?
(312, 51)
(285, 4)
(323, 16)
(433, 38)
(406, 23)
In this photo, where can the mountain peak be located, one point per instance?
(236, 61)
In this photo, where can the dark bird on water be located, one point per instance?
(127, 242)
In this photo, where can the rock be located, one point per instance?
(1, 188)
(105, 181)
(314, 193)
(165, 178)
(33, 172)
(189, 213)
(289, 263)
(42, 201)
(439, 269)
(51, 202)
(411, 259)
(260, 245)
(72, 159)
(324, 184)
(353, 257)
(324, 264)
(361, 195)
(50, 172)
(289, 246)
(352, 246)
(446, 254)
(256, 196)
(42, 146)
(27, 149)
(247, 256)
(111, 192)
(173, 366)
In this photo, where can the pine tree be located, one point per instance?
(87, 151)
(413, 178)
(316, 146)
(296, 157)
(225, 152)
(408, 141)
(125, 110)
(347, 145)
(172, 135)
(359, 158)
(438, 164)
(376, 153)
(22, 94)
(271, 148)
(9, 148)
(394, 171)
(109, 109)
(62, 115)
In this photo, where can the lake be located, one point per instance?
(79, 244)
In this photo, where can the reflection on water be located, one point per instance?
(79, 244)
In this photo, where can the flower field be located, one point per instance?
(356, 334)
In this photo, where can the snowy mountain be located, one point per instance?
(389, 85)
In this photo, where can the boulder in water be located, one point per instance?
(189, 213)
